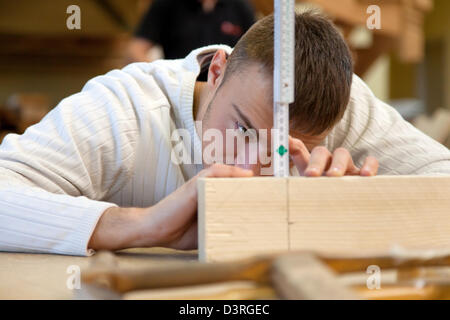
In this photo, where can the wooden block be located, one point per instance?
(361, 215)
(241, 217)
(351, 215)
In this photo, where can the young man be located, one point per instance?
(99, 172)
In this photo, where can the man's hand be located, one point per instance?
(171, 223)
(322, 162)
(175, 217)
(138, 50)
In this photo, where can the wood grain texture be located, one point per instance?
(45, 276)
(241, 217)
(350, 216)
(359, 215)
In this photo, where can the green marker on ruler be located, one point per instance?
(283, 82)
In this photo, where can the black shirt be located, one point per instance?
(181, 26)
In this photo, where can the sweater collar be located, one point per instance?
(192, 66)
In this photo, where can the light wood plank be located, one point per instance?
(45, 276)
(360, 215)
(241, 217)
(333, 216)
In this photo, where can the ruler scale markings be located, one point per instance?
(283, 84)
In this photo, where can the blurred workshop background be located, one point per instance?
(406, 62)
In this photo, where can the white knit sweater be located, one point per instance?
(111, 145)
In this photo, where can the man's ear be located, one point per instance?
(217, 68)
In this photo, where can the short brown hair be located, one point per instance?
(323, 68)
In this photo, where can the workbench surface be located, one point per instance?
(44, 276)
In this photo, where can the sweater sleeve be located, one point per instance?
(54, 176)
(371, 127)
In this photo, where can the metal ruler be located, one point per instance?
(283, 83)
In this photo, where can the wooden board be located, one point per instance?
(356, 214)
(352, 215)
(248, 215)
(45, 276)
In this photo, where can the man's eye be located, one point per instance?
(241, 128)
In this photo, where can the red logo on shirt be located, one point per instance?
(231, 29)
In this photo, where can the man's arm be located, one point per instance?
(373, 128)
(53, 176)
(138, 50)
(171, 223)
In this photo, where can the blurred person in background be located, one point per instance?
(180, 26)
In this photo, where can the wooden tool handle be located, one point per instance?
(184, 275)
(353, 264)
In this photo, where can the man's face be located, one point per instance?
(241, 103)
